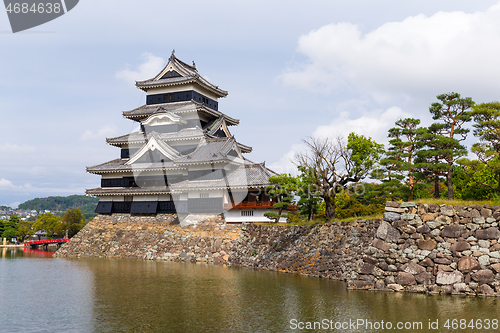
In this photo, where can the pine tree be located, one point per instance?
(453, 112)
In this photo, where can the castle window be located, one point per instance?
(247, 213)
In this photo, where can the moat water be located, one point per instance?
(41, 294)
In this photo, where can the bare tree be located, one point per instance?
(334, 163)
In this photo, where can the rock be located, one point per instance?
(429, 217)
(485, 212)
(359, 284)
(408, 204)
(447, 211)
(483, 243)
(448, 278)
(395, 210)
(387, 232)
(390, 280)
(486, 289)
(478, 220)
(433, 224)
(395, 287)
(453, 230)
(408, 217)
(442, 261)
(425, 278)
(427, 262)
(412, 268)
(484, 260)
(459, 287)
(496, 267)
(379, 285)
(391, 217)
(366, 268)
(490, 233)
(381, 245)
(405, 279)
(483, 276)
(468, 264)
(433, 208)
(428, 245)
(423, 229)
(460, 246)
(394, 204)
(370, 260)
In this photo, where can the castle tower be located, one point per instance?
(183, 158)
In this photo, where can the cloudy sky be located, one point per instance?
(293, 69)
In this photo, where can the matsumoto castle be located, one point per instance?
(182, 158)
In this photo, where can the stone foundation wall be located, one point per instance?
(434, 249)
(153, 237)
(414, 248)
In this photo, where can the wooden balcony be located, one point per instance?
(255, 204)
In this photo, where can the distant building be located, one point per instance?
(183, 158)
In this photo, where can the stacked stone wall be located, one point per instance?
(433, 249)
(153, 237)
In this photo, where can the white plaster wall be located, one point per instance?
(234, 216)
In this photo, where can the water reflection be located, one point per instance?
(103, 295)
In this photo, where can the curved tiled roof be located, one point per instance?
(189, 74)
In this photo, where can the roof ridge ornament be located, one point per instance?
(194, 65)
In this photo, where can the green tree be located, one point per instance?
(453, 112)
(309, 195)
(50, 223)
(74, 221)
(282, 189)
(24, 229)
(487, 128)
(10, 227)
(335, 163)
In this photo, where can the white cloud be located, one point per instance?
(448, 51)
(4, 183)
(10, 148)
(106, 131)
(150, 66)
(285, 164)
(14, 204)
(374, 125)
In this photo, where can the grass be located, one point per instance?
(458, 202)
(323, 221)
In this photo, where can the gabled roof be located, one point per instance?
(154, 143)
(177, 72)
(175, 107)
(119, 166)
(140, 137)
(212, 150)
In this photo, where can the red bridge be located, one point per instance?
(46, 242)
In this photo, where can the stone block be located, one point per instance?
(442, 261)
(478, 220)
(433, 224)
(425, 278)
(433, 208)
(483, 276)
(423, 229)
(366, 268)
(391, 216)
(484, 260)
(429, 217)
(490, 233)
(387, 232)
(408, 204)
(427, 262)
(485, 212)
(412, 268)
(483, 243)
(496, 267)
(394, 204)
(395, 210)
(405, 279)
(468, 264)
(486, 289)
(449, 278)
(460, 246)
(453, 230)
(370, 260)
(428, 244)
(447, 211)
(395, 287)
(381, 245)
(460, 287)
(408, 217)
(359, 284)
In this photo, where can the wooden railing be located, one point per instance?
(255, 204)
